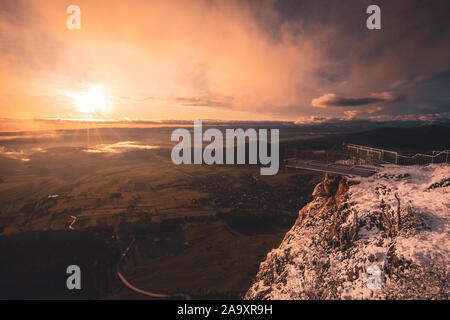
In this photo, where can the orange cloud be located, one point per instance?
(206, 58)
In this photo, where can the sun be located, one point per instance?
(91, 101)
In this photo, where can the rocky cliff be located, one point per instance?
(382, 237)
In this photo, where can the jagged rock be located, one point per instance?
(391, 227)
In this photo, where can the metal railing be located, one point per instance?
(376, 155)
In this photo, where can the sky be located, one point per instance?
(303, 61)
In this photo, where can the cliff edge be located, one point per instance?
(381, 237)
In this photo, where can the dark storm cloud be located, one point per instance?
(411, 52)
(441, 76)
(332, 100)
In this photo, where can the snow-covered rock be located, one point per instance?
(381, 237)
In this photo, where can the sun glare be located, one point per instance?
(91, 101)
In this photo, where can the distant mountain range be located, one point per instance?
(407, 139)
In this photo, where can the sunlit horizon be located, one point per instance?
(217, 60)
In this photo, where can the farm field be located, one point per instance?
(201, 230)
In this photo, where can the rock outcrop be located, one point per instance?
(382, 237)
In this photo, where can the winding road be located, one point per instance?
(147, 293)
(73, 221)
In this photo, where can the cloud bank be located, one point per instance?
(223, 59)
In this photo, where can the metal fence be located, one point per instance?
(375, 155)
